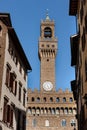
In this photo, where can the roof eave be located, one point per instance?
(5, 17)
(17, 44)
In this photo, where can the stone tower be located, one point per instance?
(49, 109)
(47, 54)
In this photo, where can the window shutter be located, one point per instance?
(7, 76)
(11, 117)
(5, 110)
(11, 81)
(8, 113)
(15, 88)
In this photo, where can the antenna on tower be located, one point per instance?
(47, 15)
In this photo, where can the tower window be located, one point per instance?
(73, 122)
(47, 45)
(47, 32)
(53, 111)
(53, 46)
(46, 122)
(71, 99)
(32, 99)
(42, 45)
(63, 122)
(66, 110)
(38, 99)
(44, 99)
(29, 110)
(57, 110)
(34, 122)
(70, 111)
(47, 59)
(57, 99)
(51, 99)
(64, 99)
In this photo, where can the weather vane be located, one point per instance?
(47, 15)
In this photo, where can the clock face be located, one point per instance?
(47, 86)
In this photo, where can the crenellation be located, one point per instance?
(59, 91)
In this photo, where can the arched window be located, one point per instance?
(33, 110)
(63, 123)
(44, 99)
(57, 99)
(38, 111)
(74, 111)
(51, 99)
(73, 122)
(46, 122)
(38, 99)
(57, 110)
(47, 32)
(61, 110)
(34, 122)
(66, 110)
(32, 99)
(70, 111)
(64, 99)
(45, 111)
(53, 111)
(42, 110)
(29, 110)
(49, 110)
(71, 99)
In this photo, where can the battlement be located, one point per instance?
(59, 91)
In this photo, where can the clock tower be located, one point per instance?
(47, 54)
(48, 109)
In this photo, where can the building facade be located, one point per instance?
(13, 77)
(48, 108)
(78, 8)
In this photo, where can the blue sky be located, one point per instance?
(26, 16)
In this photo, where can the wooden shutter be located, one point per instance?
(8, 113)
(5, 110)
(11, 117)
(15, 88)
(11, 81)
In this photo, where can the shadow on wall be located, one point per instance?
(0, 128)
(20, 116)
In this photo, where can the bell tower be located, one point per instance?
(47, 54)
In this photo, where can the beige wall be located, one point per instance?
(5, 92)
